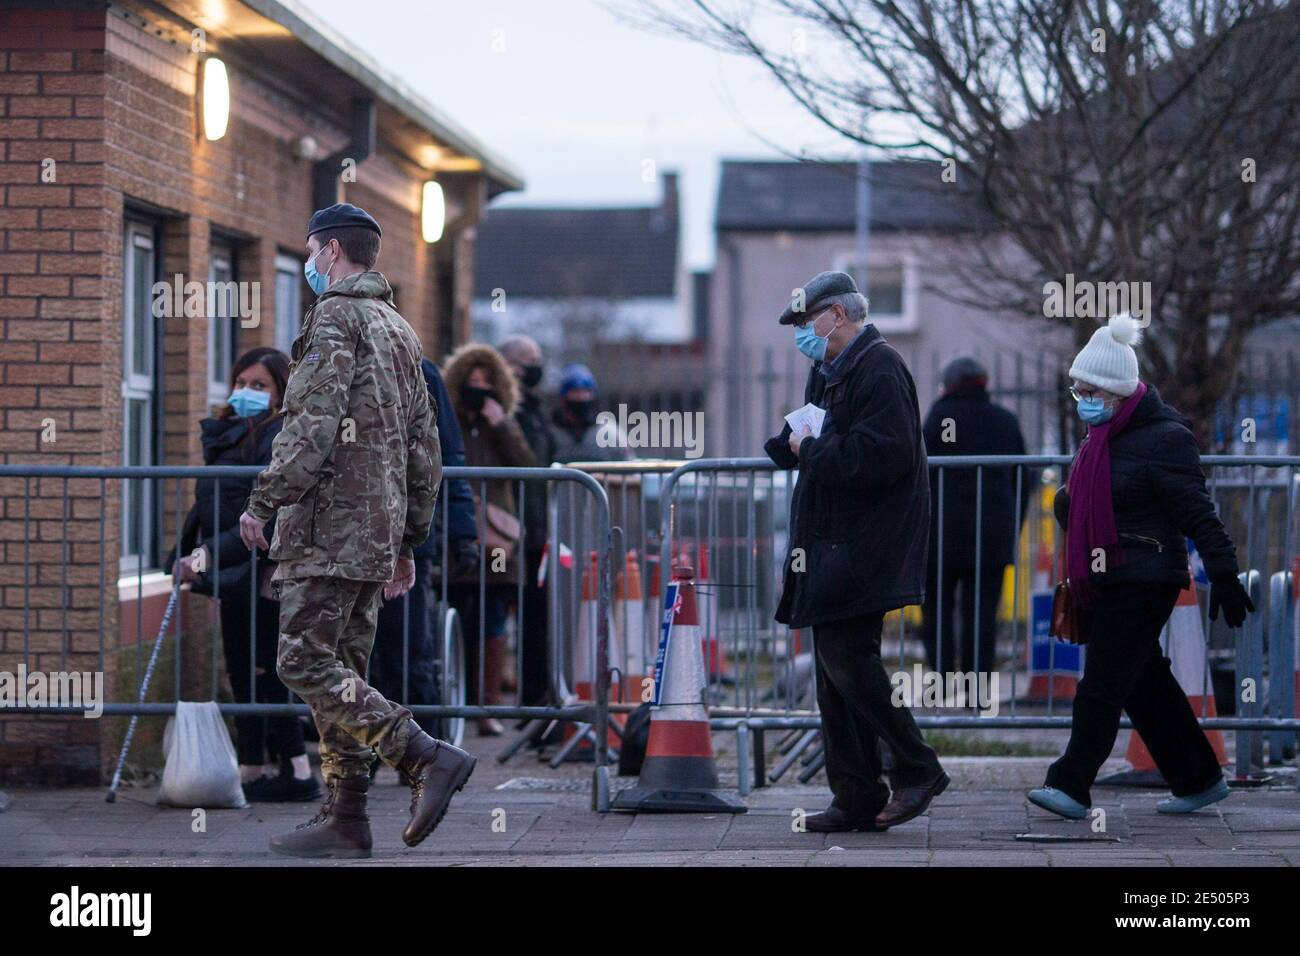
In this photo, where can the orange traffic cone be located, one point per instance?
(679, 775)
(584, 659)
(629, 651)
(1186, 643)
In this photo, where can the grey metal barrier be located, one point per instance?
(83, 543)
(732, 514)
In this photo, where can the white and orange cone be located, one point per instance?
(629, 651)
(679, 774)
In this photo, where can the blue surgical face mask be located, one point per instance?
(319, 281)
(807, 341)
(247, 402)
(1094, 411)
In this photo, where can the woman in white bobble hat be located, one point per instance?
(1135, 493)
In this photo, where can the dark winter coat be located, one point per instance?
(1160, 499)
(541, 439)
(224, 444)
(460, 499)
(976, 427)
(861, 507)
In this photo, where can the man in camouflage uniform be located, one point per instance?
(355, 472)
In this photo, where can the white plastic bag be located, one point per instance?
(201, 770)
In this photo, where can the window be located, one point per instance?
(288, 301)
(139, 390)
(891, 290)
(221, 323)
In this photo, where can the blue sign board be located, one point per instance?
(1050, 655)
(665, 632)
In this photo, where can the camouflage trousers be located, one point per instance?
(327, 629)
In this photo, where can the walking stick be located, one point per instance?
(111, 796)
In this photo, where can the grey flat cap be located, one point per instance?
(815, 291)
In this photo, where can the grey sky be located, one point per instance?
(578, 101)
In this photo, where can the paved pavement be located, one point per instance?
(525, 813)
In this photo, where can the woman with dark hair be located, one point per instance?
(216, 562)
(1136, 494)
(484, 394)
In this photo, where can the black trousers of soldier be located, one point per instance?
(1124, 669)
(854, 696)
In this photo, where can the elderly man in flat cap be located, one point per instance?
(355, 475)
(859, 532)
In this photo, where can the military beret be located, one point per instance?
(340, 216)
(815, 291)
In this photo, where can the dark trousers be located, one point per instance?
(256, 738)
(534, 682)
(1124, 670)
(990, 590)
(854, 696)
(404, 644)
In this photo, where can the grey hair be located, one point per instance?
(854, 304)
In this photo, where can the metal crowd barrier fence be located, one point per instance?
(78, 555)
(729, 518)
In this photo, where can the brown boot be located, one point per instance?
(341, 829)
(494, 652)
(437, 771)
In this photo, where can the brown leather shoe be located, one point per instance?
(341, 829)
(910, 802)
(835, 820)
(437, 771)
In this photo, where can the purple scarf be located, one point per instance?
(1092, 512)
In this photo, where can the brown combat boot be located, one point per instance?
(340, 830)
(437, 771)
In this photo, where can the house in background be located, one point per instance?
(778, 223)
(571, 277)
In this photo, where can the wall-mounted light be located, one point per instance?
(433, 213)
(216, 98)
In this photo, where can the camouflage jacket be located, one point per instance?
(356, 468)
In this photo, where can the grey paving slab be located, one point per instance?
(523, 813)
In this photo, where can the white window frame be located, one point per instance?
(221, 268)
(138, 241)
(909, 319)
(289, 267)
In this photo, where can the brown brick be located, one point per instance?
(64, 352)
(72, 219)
(40, 106)
(18, 84)
(22, 240)
(19, 218)
(19, 128)
(15, 264)
(77, 83)
(89, 106)
(13, 397)
(83, 241)
(37, 331)
(20, 351)
(17, 309)
(40, 62)
(43, 374)
(36, 150)
(72, 128)
(56, 264)
(69, 396)
(90, 152)
(71, 308)
(47, 194)
(85, 287)
(37, 285)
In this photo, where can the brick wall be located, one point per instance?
(108, 94)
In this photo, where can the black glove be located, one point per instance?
(464, 557)
(1226, 592)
